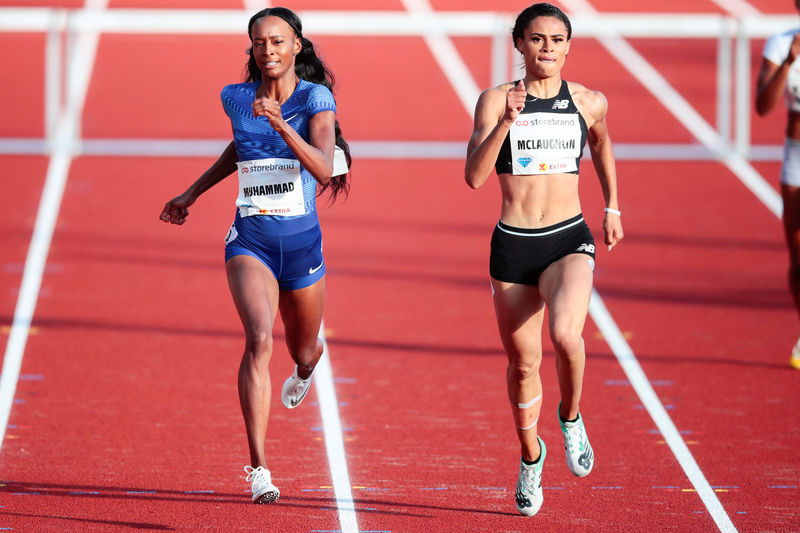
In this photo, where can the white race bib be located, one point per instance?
(545, 143)
(270, 187)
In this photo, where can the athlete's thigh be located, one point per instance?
(566, 287)
(301, 312)
(519, 310)
(254, 290)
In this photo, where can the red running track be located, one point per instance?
(126, 414)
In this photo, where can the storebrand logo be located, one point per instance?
(269, 168)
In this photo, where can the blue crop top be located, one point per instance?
(255, 139)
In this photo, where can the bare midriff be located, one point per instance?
(539, 200)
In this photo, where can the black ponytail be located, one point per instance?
(308, 67)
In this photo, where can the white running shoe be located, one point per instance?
(580, 456)
(261, 485)
(529, 485)
(294, 390)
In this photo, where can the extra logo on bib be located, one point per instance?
(270, 187)
(545, 143)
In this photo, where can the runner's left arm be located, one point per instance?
(602, 153)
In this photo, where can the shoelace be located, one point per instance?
(253, 472)
(574, 435)
(297, 385)
(529, 478)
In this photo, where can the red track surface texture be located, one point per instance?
(126, 414)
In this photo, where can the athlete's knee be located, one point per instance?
(522, 370)
(567, 339)
(306, 356)
(259, 340)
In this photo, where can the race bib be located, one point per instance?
(545, 143)
(270, 187)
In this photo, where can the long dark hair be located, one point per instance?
(309, 67)
(534, 11)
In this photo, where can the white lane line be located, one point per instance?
(31, 282)
(641, 384)
(80, 69)
(334, 442)
(672, 100)
(684, 112)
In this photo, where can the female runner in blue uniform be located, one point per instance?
(285, 135)
(779, 75)
(542, 253)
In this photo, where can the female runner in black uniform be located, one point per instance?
(533, 131)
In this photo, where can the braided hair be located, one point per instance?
(308, 67)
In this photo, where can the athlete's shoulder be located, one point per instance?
(495, 96)
(237, 98)
(248, 88)
(236, 95)
(500, 90)
(316, 96)
(579, 90)
(586, 98)
(592, 105)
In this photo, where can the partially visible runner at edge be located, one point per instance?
(779, 75)
(532, 132)
(285, 135)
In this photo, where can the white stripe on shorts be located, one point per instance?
(562, 228)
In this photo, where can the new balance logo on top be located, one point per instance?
(586, 248)
(560, 104)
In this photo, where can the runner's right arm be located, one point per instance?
(491, 128)
(177, 209)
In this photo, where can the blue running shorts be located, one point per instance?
(295, 259)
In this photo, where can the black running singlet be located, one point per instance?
(547, 137)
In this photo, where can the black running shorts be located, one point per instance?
(520, 255)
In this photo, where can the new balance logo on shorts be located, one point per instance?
(586, 248)
(560, 104)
